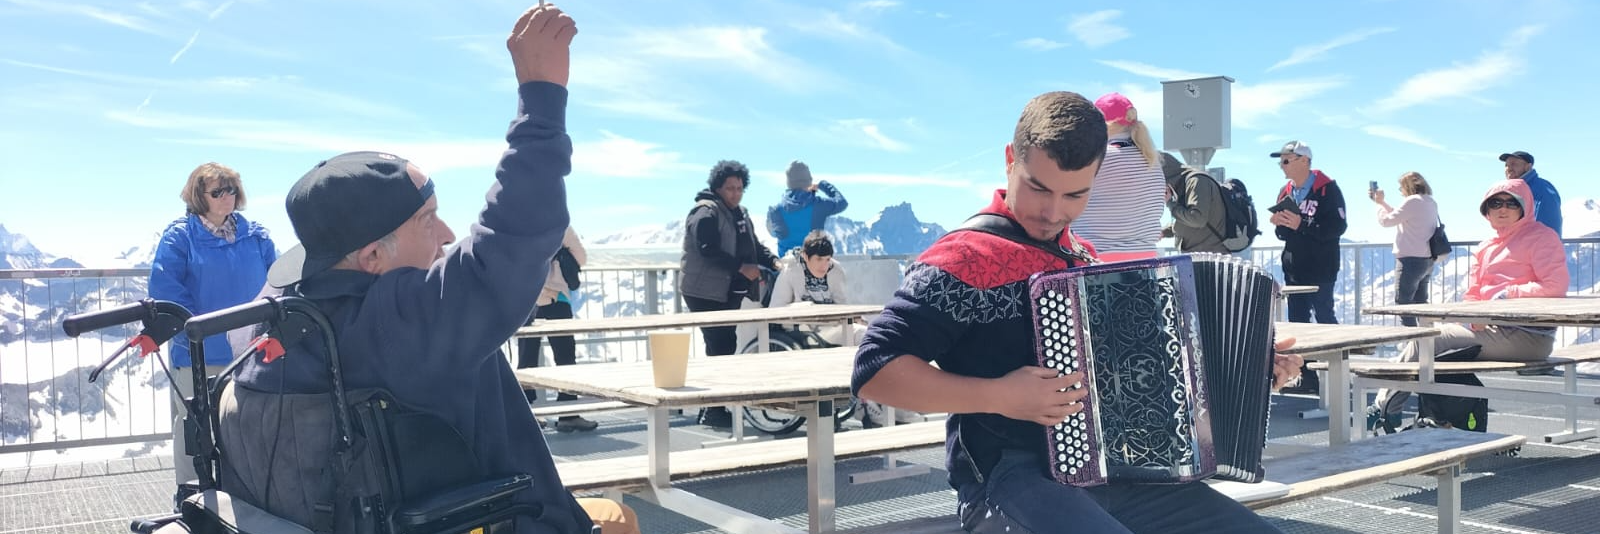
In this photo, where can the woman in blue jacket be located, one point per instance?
(210, 259)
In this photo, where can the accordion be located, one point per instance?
(1177, 356)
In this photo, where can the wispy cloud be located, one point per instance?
(610, 156)
(1096, 29)
(743, 48)
(629, 86)
(185, 48)
(1150, 71)
(132, 22)
(1308, 53)
(1463, 80)
(1039, 44)
(1401, 134)
(299, 136)
(219, 10)
(1254, 103)
(622, 157)
(1251, 102)
(870, 133)
(832, 25)
(875, 5)
(279, 89)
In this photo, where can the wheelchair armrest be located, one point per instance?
(448, 504)
(233, 515)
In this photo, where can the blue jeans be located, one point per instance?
(1411, 283)
(1301, 305)
(1019, 498)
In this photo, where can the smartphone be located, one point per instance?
(1372, 185)
(1287, 203)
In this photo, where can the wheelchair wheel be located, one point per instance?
(781, 422)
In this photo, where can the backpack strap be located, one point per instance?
(1001, 226)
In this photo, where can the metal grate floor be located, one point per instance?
(1546, 489)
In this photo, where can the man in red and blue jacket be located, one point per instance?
(964, 306)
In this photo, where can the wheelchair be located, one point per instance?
(390, 466)
(779, 422)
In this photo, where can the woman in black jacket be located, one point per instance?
(721, 260)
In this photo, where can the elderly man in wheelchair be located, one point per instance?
(378, 400)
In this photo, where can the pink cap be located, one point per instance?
(1115, 107)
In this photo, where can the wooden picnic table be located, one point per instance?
(799, 313)
(811, 380)
(794, 313)
(1580, 311)
(1568, 311)
(1296, 290)
(1334, 343)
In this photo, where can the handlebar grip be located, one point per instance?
(249, 313)
(88, 322)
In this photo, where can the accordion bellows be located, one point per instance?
(1177, 354)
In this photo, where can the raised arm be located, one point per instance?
(485, 286)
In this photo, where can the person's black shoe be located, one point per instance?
(574, 423)
(717, 417)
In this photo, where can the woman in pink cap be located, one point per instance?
(1123, 217)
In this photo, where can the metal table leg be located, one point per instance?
(819, 465)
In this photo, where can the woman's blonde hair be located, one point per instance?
(1141, 138)
(1412, 183)
(217, 175)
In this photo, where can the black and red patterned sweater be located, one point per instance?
(964, 305)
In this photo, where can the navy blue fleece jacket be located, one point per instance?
(431, 337)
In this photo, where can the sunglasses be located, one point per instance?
(1284, 161)
(224, 190)
(1497, 203)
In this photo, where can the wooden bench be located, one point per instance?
(1371, 374)
(631, 471)
(580, 406)
(1436, 451)
(1569, 357)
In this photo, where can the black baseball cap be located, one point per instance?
(1524, 156)
(343, 204)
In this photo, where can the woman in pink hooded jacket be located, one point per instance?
(1524, 259)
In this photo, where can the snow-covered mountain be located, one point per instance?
(17, 252)
(1580, 218)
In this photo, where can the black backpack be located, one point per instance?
(569, 268)
(1465, 413)
(1239, 215)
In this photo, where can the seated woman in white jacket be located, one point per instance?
(811, 276)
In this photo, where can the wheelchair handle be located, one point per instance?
(87, 322)
(223, 320)
(148, 525)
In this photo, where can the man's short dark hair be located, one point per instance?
(817, 243)
(1066, 126)
(726, 169)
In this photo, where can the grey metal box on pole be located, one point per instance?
(1197, 117)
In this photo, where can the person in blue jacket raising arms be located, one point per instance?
(802, 210)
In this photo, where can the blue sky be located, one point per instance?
(105, 106)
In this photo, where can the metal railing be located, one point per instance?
(46, 402)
